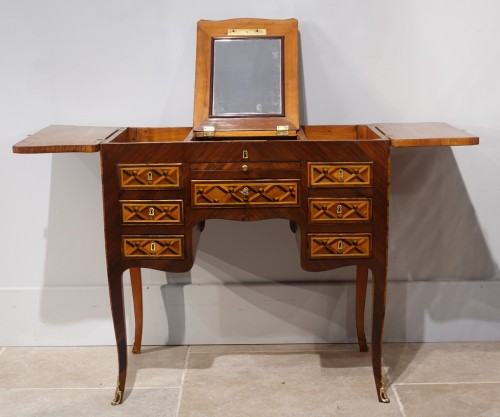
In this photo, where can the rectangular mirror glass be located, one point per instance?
(247, 77)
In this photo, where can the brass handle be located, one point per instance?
(244, 167)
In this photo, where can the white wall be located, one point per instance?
(131, 63)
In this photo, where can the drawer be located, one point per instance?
(154, 176)
(240, 193)
(341, 245)
(164, 247)
(340, 174)
(244, 170)
(244, 166)
(334, 210)
(154, 211)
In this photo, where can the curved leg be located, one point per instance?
(361, 284)
(379, 294)
(115, 281)
(136, 281)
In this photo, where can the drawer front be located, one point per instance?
(150, 176)
(163, 247)
(244, 166)
(143, 212)
(333, 210)
(341, 174)
(342, 245)
(241, 193)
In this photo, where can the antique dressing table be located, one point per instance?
(246, 158)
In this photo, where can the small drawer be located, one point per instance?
(334, 210)
(244, 166)
(241, 193)
(157, 176)
(334, 246)
(155, 211)
(341, 174)
(164, 247)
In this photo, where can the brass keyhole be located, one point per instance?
(245, 154)
(153, 247)
(151, 211)
(150, 176)
(341, 174)
(340, 246)
(339, 210)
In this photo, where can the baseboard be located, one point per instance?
(426, 311)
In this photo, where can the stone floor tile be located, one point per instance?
(443, 362)
(141, 402)
(89, 367)
(450, 400)
(282, 384)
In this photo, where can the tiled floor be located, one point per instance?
(448, 379)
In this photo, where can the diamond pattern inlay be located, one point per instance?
(153, 247)
(327, 210)
(324, 246)
(237, 193)
(140, 212)
(342, 174)
(150, 176)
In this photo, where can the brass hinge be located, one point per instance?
(281, 130)
(246, 32)
(208, 131)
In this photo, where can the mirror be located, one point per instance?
(247, 77)
(246, 82)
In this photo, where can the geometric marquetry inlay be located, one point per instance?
(240, 193)
(333, 246)
(153, 247)
(155, 211)
(341, 174)
(150, 176)
(327, 210)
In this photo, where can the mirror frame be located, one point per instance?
(267, 125)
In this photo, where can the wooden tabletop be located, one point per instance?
(425, 134)
(59, 138)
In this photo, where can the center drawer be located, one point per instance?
(244, 169)
(261, 193)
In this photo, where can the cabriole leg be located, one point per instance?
(379, 294)
(361, 284)
(117, 310)
(136, 282)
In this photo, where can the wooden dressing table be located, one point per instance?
(246, 164)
